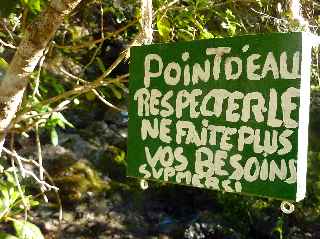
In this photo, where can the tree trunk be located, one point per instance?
(296, 14)
(29, 52)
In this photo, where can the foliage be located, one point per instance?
(13, 202)
(4, 235)
(27, 230)
(85, 50)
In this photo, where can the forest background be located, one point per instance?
(70, 128)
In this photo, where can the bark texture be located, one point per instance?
(296, 12)
(146, 21)
(27, 56)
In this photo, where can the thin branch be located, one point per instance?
(82, 89)
(277, 19)
(37, 80)
(4, 24)
(166, 6)
(93, 57)
(108, 35)
(72, 76)
(76, 91)
(23, 199)
(100, 97)
(35, 163)
(26, 172)
(39, 152)
(43, 115)
(103, 100)
(268, 16)
(7, 44)
(101, 20)
(16, 179)
(316, 4)
(100, 81)
(16, 24)
(114, 65)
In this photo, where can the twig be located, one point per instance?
(93, 57)
(268, 16)
(101, 20)
(108, 35)
(100, 81)
(16, 179)
(40, 182)
(114, 64)
(316, 4)
(7, 44)
(277, 19)
(44, 114)
(59, 108)
(100, 97)
(58, 197)
(35, 163)
(26, 172)
(16, 24)
(41, 170)
(37, 80)
(72, 76)
(23, 199)
(76, 91)
(4, 24)
(82, 89)
(103, 100)
(164, 7)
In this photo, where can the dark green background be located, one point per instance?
(260, 44)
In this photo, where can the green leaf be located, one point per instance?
(100, 64)
(205, 34)
(116, 92)
(279, 227)
(10, 175)
(164, 28)
(54, 137)
(90, 96)
(4, 235)
(3, 64)
(27, 230)
(64, 120)
(33, 5)
(184, 35)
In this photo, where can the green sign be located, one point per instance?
(225, 114)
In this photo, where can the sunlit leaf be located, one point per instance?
(3, 64)
(116, 92)
(100, 64)
(4, 235)
(33, 5)
(90, 96)
(54, 137)
(27, 230)
(164, 28)
(64, 120)
(206, 35)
